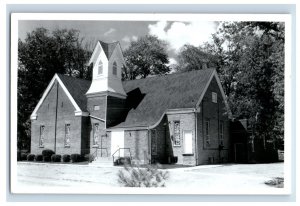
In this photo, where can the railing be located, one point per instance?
(95, 154)
(118, 151)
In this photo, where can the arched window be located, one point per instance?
(115, 68)
(100, 67)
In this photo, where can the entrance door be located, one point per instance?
(117, 141)
(239, 152)
(188, 142)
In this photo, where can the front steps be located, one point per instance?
(103, 162)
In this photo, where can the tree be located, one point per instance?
(195, 58)
(144, 57)
(40, 56)
(252, 73)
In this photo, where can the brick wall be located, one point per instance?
(214, 112)
(56, 98)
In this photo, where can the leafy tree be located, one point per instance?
(40, 56)
(195, 58)
(252, 73)
(144, 57)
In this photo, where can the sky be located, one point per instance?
(176, 34)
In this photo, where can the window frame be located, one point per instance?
(42, 135)
(153, 131)
(174, 134)
(115, 68)
(221, 133)
(67, 135)
(95, 134)
(184, 143)
(207, 131)
(214, 97)
(100, 65)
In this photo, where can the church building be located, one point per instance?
(180, 118)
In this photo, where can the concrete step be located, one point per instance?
(103, 161)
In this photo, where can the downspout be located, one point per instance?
(55, 128)
(196, 146)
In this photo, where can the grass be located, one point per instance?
(277, 182)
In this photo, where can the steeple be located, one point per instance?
(107, 60)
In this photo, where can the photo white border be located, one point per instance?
(15, 17)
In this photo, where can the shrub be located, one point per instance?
(123, 161)
(88, 157)
(66, 158)
(134, 176)
(56, 158)
(39, 158)
(30, 157)
(18, 155)
(75, 157)
(47, 153)
(23, 157)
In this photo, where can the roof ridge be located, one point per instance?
(65, 75)
(170, 74)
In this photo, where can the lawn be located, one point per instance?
(227, 177)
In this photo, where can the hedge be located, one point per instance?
(56, 158)
(47, 153)
(89, 158)
(75, 157)
(39, 158)
(66, 158)
(30, 157)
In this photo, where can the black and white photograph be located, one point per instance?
(150, 104)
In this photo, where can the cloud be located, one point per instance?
(179, 33)
(128, 39)
(111, 30)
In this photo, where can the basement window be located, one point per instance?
(214, 97)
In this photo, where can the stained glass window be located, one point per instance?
(96, 134)
(42, 133)
(67, 135)
(176, 133)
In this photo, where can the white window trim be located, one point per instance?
(100, 63)
(186, 131)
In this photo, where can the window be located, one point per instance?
(176, 133)
(115, 68)
(207, 125)
(188, 142)
(96, 134)
(153, 142)
(96, 107)
(42, 135)
(221, 133)
(67, 135)
(100, 68)
(214, 97)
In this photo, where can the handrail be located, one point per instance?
(103, 148)
(118, 150)
(94, 156)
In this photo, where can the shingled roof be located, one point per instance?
(77, 88)
(160, 93)
(152, 96)
(108, 48)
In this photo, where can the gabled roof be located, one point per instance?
(108, 48)
(77, 88)
(161, 93)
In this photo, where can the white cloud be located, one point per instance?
(111, 30)
(179, 33)
(127, 39)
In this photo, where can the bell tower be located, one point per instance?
(106, 96)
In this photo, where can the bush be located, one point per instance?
(134, 176)
(88, 157)
(75, 157)
(47, 153)
(66, 158)
(23, 157)
(123, 161)
(30, 157)
(56, 158)
(39, 158)
(18, 155)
